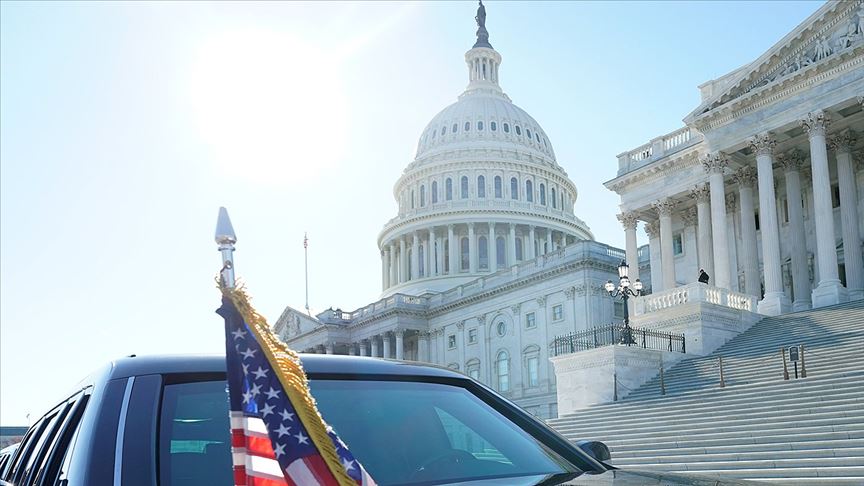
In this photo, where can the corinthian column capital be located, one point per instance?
(715, 163)
(843, 141)
(628, 220)
(815, 123)
(763, 144)
(745, 176)
(691, 217)
(701, 193)
(731, 203)
(792, 160)
(652, 229)
(664, 207)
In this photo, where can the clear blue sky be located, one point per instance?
(124, 126)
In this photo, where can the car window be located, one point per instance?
(16, 469)
(64, 441)
(406, 432)
(40, 446)
(194, 435)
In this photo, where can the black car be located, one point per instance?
(164, 420)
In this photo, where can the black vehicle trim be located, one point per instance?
(121, 432)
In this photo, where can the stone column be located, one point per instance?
(689, 241)
(385, 255)
(423, 346)
(746, 177)
(511, 246)
(363, 347)
(653, 231)
(374, 344)
(842, 145)
(792, 163)
(732, 225)
(829, 291)
(328, 348)
(440, 255)
(430, 254)
(493, 249)
(394, 268)
(454, 250)
(548, 240)
(385, 341)
(400, 344)
(629, 221)
(532, 243)
(415, 256)
(403, 261)
(703, 214)
(472, 249)
(715, 166)
(351, 349)
(664, 209)
(775, 301)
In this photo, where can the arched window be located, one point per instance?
(421, 262)
(518, 130)
(498, 187)
(493, 126)
(444, 130)
(500, 252)
(479, 125)
(422, 196)
(554, 199)
(537, 137)
(455, 127)
(506, 128)
(528, 132)
(502, 368)
(467, 126)
(464, 255)
(519, 249)
(483, 252)
(481, 186)
(412, 198)
(514, 188)
(542, 194)
(463, 187)
(448, 189)
(434, 192)
(529, 191)
(531, 360)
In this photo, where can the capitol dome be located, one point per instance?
(484, 192)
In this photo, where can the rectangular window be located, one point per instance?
(472, 336)
(618, 310)
(533, 371)
(474, 373)
(530, 320)
(557, 312)
(678, 244)
(451, 341)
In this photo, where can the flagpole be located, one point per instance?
(225, 239)
(306, 269)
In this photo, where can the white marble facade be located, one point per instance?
(486, 262)
(714, 194)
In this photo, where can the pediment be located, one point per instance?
(831, 33)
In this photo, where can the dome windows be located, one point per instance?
(542, 194)
(463, 187)
(537, 137)
(518, 130)
(455, 127)
(448, 189)
(479, 126)
(481, 186)
(528, 132)
(493, 126)
(554, 200)
(444, 130)
(514, 188)
(434, 132)
(506, 128)
(467, 126)
(529, 191)
(422, 196)
(498, 194)
(434, 192)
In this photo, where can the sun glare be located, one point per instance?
(270, 107)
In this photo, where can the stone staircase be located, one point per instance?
(759, 427)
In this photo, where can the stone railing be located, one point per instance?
(694, 292)
(657, 148)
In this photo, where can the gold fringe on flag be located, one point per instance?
(290, 371)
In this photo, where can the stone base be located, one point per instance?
(774, 304)
(829, 292)
(856, 294)
(801, 305)
(588, 377)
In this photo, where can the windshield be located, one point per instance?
(406, 432)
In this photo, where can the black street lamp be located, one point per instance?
(625, 290)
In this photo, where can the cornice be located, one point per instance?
(656, 170)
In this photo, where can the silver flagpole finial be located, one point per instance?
(226, 238)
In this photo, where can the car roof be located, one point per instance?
(312, 363)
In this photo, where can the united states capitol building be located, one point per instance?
(486, 261)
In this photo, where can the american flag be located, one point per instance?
(274, 422)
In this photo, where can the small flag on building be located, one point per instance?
(277, 435)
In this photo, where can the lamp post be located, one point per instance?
(625, 290)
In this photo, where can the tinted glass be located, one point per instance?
(194, 437)
(410, 432)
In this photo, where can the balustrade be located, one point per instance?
(694, 292)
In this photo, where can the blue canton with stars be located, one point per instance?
(255, 390)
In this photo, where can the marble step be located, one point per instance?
(812, 446)
(619, 460)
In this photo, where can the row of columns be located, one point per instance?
(395, 263)
(713, 239)
(386, 345)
